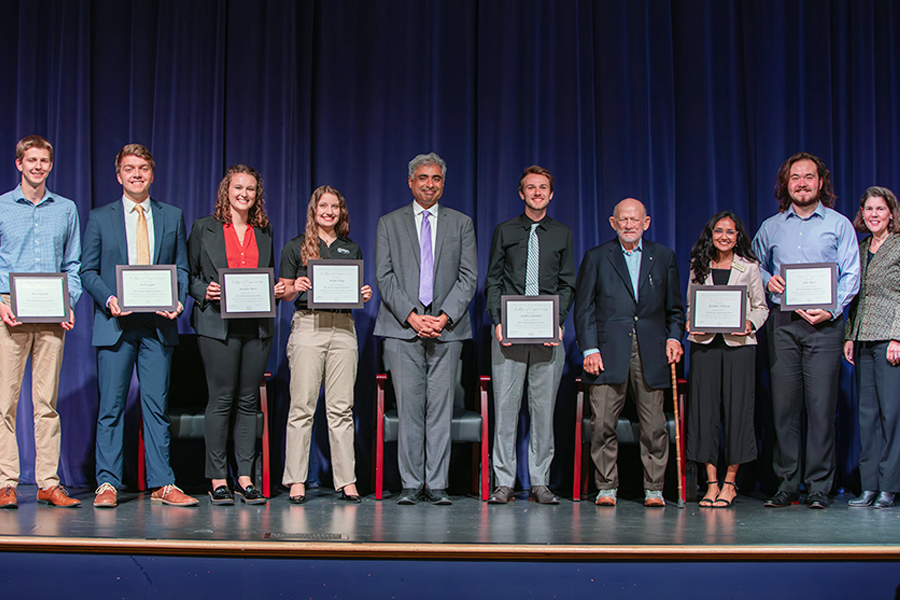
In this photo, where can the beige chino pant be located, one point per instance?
(321, 348)
(43, 342)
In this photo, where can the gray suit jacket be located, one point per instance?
(397, 272)
(875, 312)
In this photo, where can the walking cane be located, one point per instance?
(677, 437)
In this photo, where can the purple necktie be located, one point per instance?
(426, 271)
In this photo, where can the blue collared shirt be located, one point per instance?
(40, 238)
(824, 236)
(633, 263)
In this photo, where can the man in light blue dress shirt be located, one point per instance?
(805, 345)
(39, 233)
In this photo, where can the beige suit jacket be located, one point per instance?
(743, 272)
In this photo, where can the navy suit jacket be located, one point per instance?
(104, 246)
(607, 315)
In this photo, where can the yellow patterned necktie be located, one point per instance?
(142, 240)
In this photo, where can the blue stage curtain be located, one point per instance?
(690, 106)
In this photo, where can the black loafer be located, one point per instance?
(867, 498)
(783, 499)
(438, 497)
(884, 500)
(249, 494)
(408, 497)
(817, 500)
(354, 498)
(221, 496)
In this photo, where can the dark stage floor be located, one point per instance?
(325, 526)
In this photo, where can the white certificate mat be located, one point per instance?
(335, 283)
(812, 285)
(39, 297)
(146, 288)
(530, 319)
(718, 308)
(247, 293)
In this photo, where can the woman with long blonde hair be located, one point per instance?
(321, 348)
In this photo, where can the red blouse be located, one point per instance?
(240, 256)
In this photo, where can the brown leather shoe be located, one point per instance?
(502, 495)
(8, 497)
(171, 495)
(57, 496)
(542, 495)
(106, 496)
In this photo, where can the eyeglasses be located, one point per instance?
(724, 232)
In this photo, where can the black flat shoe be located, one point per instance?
(783, 499)
(408, 497)
(354, 498)
(249, 494)
(221, 496)
(297, 499)
(818, 500)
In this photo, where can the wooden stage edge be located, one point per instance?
(499, 552)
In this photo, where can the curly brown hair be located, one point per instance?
(257, 215)
(311, 237)
(826, 194)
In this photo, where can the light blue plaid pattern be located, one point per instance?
(41, 238)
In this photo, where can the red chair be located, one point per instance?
(467, 426)
(627, 431)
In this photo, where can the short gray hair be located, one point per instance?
(423, 160)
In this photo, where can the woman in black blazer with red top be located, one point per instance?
(234, 351)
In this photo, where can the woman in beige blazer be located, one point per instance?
(723, 366)
(872, 345)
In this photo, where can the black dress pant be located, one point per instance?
(805, 366)
(878, 383)
(234, 369)
(723, 391)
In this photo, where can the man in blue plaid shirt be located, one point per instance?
(39, 233)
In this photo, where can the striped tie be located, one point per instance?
(532, 267)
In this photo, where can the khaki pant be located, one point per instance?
(321, 347)
(44, 343)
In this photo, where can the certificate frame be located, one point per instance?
(16, 297)
(510, 304)
(265, 312)
(323, 263)
(125, 272)
(788, 270)
(722, 291)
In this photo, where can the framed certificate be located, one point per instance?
(247, 293)
(335, 283)
(146, 288)
(718, 308)
(529, 319)
(810, 285)
(39, 297)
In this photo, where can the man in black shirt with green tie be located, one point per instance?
(531, 255)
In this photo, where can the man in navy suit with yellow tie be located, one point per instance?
(135, 230)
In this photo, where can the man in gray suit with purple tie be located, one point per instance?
(426, 267)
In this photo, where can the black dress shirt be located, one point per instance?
(509, 257)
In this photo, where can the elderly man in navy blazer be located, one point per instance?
(135, 230)
(426, 267)
(629, 320)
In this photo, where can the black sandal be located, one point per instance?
(726, 503)
(708, 502)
